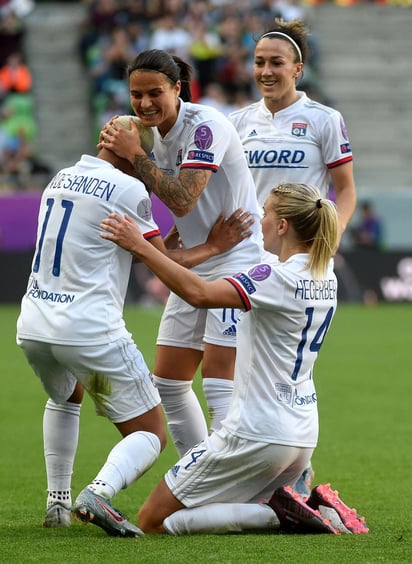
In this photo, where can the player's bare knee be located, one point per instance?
(148, 521)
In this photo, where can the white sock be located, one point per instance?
(219, 518)
(218, 393)
(60, 439)
(127, 461)
(185, 417)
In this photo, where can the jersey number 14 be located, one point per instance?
(317, 340)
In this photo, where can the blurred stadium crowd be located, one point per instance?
(216, 36)
(17, 112)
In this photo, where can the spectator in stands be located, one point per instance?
(215, 96)
(205, 50)
(100, 19)
(291, 9)
(169, 35)
(233, 72)
(18, 161)
(15, 75)
(12, 32)
(368, 234)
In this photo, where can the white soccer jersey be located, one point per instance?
(300, 144)
(78, 282)
(279, 336)
(202, 137)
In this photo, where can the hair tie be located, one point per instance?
(319, 203)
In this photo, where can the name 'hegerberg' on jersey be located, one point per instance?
(98, 187)
(287, 315)
(316, 289)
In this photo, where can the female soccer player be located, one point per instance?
(271, 429)
(197, 168)
(72, 331)
(288, 137)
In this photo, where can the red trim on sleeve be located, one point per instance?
(242, 294)
(150, 234)
(213, 168)
(347, 159)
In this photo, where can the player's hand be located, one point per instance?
(172, 239)
(125, 143)
(121, 230)
(102, 131)
(226, 233)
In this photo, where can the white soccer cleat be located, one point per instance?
(57, 515)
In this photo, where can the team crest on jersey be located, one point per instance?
(144, 209)
(345, 148)
(260, 272)
(203, 137)
(179, 157)
(283, 392)
(299, 129)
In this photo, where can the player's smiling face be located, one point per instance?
(154, 99)
(275, 72)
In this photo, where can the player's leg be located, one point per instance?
(118, 380)
(178, 354)
(127, 461)
(217, 378)
(143, 439)
(174, 372)
(61, 423)
(219, 363)
(60, 428)
(208, 490)
(160, 504)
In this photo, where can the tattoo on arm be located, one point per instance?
(179, 194)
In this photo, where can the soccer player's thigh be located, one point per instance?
(180, 340)
(116, 377)
(182, 325)
(58, 382)
(220, 343)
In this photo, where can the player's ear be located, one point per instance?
(283, 226)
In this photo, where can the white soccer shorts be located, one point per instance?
(114, 374)
(227, 469)
(185, 326)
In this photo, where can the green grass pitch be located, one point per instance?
(364, 384)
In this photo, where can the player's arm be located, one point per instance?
(178, 194)
(344, 185)
(183, 282)
(223, 236)
(172, 238)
